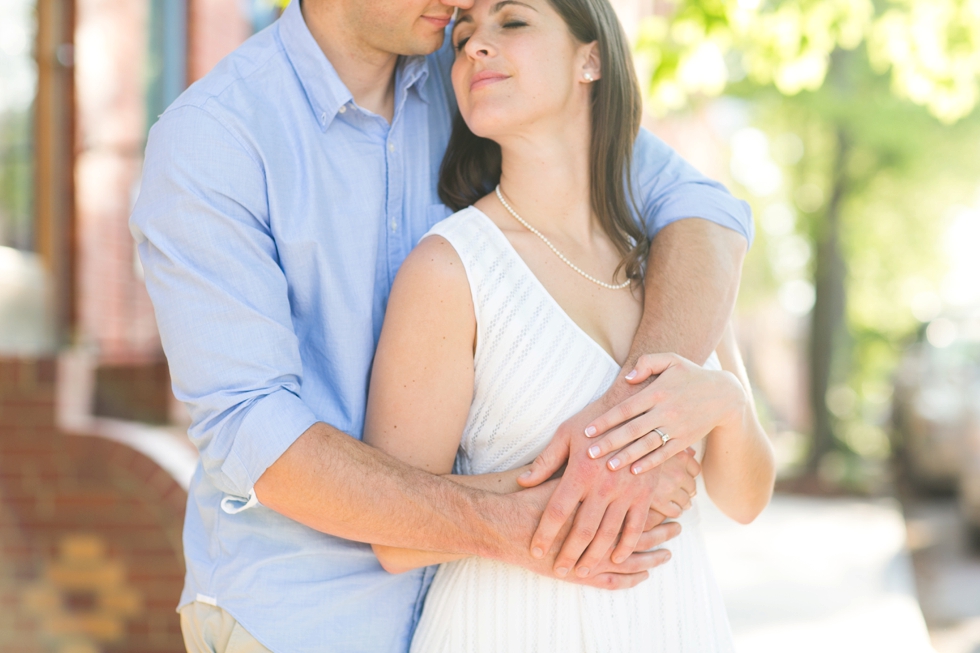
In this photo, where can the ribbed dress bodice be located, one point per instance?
(535, 368)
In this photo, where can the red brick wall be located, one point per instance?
(90, 550)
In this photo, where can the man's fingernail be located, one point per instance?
(614, 463)
(561, 571)
(537, 552)
(590, 431)
(667, 556)
(526, 474)
(594, 451)
(582, 572)
(619, 559)
(631, 375)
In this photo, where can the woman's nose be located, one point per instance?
(478, 47)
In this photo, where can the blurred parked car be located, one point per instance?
(937, 412)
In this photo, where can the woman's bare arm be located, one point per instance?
(739, 467)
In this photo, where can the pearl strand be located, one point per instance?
(554, 249)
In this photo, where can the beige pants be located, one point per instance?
(209, 629)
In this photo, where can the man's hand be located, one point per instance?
(614, 507)
(528, 508)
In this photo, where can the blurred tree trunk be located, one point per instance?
(827, 327)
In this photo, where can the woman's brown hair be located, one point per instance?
(471, 167)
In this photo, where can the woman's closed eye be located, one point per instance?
(509, 24)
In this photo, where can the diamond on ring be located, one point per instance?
(663, 436)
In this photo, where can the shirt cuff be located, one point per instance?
(272, 424)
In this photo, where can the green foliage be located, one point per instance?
(16, 179)
(872, 91)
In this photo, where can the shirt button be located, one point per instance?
(391, 147)
(342, 109)
(394, 226)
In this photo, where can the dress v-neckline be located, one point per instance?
(554, 302)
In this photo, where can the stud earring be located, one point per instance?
(589, 77)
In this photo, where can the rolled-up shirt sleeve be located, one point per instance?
(667, 189)
(221, 298)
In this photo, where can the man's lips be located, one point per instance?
(485, 78)
(438, 21)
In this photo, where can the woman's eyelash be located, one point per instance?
(509, 24)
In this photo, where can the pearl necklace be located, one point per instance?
(618, 286)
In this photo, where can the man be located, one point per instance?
(280, 195)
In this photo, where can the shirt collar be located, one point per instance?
(324, 89)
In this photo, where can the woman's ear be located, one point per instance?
(591, 68)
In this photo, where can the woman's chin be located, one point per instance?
(493, 124)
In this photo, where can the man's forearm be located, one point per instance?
(336, 484)
(692, 280)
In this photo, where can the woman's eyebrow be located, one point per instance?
(467, 18)
(500, 5)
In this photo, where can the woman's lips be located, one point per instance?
(438, 21)
(485, 78)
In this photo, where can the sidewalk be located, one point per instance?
(815, 574)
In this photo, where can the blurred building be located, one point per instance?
(91, 497)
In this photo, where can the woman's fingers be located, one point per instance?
(658, 535)
(624, 434)
(658, 457)
(651, 365)
(639, 403)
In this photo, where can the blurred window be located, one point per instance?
(18, 86)
(167, 57)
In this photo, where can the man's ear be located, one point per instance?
(592, 68)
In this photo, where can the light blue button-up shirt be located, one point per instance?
(272, 218)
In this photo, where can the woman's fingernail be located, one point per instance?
(561, 571)
(594, 451)
(537, 552)
(667, 556)
(636, 469)
(526, 474)
(582, 572)
(631, 375)
(614, 463)
(590, 431)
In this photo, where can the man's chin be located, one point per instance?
(424, 45)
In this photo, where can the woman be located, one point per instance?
(516, 312)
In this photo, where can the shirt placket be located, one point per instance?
(395, 188)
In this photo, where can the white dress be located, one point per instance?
(534, 368)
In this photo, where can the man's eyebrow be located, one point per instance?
(467, 18)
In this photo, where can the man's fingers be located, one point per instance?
(633, 528)
(547, 463)
(693, 466)
(609, 530)
(644, 561)
(560, 507)
(584, 530)
(614, 581)
(658, 535)
(654, 518)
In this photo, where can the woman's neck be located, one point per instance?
(545, 178)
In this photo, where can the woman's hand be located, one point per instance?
(688, 402)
